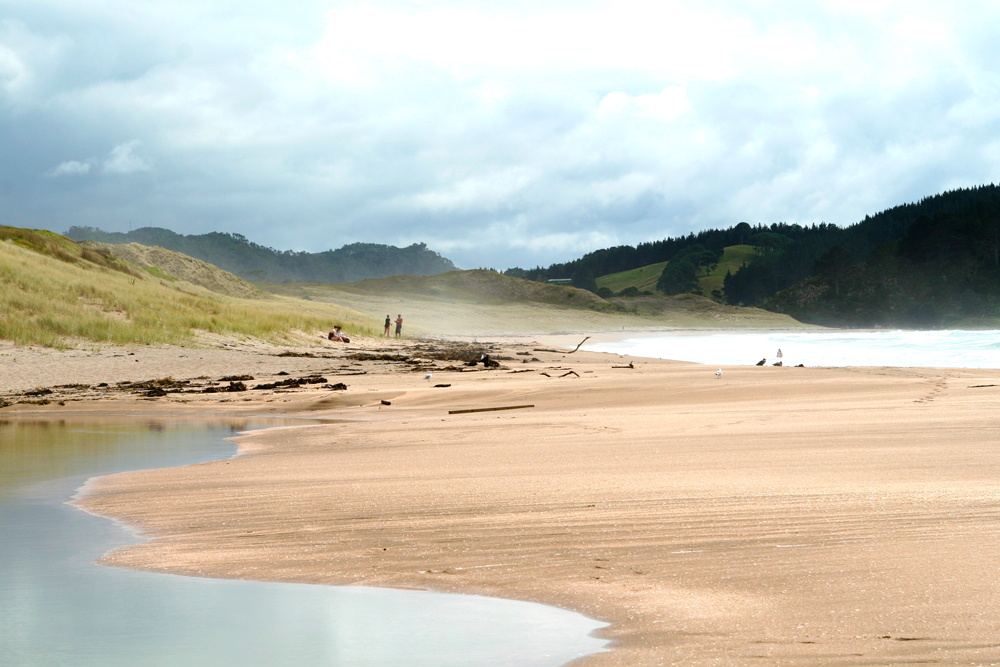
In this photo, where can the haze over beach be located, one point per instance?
(593, 225)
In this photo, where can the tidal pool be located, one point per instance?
(59, 608)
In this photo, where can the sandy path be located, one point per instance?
(775, 516)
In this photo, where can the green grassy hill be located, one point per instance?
(732, 259)
(54, 292)
(644, 278)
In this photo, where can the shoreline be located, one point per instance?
(686, 511)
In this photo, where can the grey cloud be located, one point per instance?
(283, 123)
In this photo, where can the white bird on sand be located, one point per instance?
(718, 374)
(429, 376)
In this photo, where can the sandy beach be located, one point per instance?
(794, 516)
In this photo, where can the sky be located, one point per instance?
(499, 133)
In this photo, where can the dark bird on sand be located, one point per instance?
(762, 362)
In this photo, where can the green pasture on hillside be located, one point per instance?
(732, 259)
(644, 278)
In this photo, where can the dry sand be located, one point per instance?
(794, 516)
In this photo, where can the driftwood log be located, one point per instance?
(505, 407)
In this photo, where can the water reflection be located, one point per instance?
(32, 451)
(58, 608)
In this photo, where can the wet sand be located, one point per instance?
(791, 516)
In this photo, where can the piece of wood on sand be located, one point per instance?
(545, 349)
(505, 407)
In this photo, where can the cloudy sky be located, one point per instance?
(499, 133)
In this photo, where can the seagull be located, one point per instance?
(718, 374)
(429, 376)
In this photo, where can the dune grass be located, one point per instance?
(55, 293)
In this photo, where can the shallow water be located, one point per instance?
(934, 349)
(57, 607)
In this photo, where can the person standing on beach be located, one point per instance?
(388, 323)
(399, 325)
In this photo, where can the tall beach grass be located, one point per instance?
(57, 299)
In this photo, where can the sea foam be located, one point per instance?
(944, 349)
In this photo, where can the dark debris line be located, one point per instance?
(422, 358)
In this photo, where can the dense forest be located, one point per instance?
(926, 264)
(623, 258)
(257, 263)
(931, 264)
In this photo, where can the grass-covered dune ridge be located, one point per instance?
(55, 293)
(59, 247)
(170, 265)
(480, 285)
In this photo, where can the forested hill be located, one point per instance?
(879, 233)
(257, 263)
(930, 263)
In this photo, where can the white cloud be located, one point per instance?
(666, 105)
(12, 70)
(124, 160)
(480, 191)
(70, 168)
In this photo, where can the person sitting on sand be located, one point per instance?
(399, 325)
(338, 335)
(388, 323)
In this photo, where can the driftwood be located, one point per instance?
(545, 374)
(441, 385)
(506, 407)
(630, 365)
(569, 373)
(545, 349)
(979, 386)
(385, 402)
